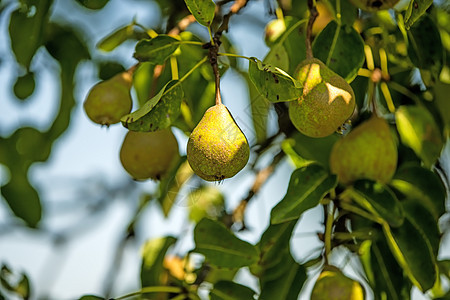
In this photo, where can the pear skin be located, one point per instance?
(109, 100)
(327, 100)
(147, 155)
(217, 148)
(369, 151)
(332, 284)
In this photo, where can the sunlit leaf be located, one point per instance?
(415, 10)
(272, 83)
(205, 202)
(379, 200)
(153, 254)
(221, 247)
(157, 113)
(202, 10)
(422, 184)
(116, 38)
(156, 50)
(419, 131)
(341, 48)
(307, 186)
(229, 290)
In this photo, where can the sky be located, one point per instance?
(85, 165)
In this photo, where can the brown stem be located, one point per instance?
(182, 25)
(313, 13)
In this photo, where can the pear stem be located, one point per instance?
(329, 212)
(313, 13)
(213, 50)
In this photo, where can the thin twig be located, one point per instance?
(313, 13)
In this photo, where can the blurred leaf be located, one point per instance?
(441, 92)
(156, 50)
(24, 86)
(116, 38)
(315, 149)
(414, 253)
(419, 131)
(349, 12)
(307, 186)
(143, 81)
(171, 184)
(221, 247)
(287, 286)
(423, 185)
(153, 255)
(425, 49)
(379, 200)
(109, 69)
(26, 29)
(345, 54)
(216, 274)
(415, 10)
(91, 297)
(272, 83)
(93, 4)
(157, 113)
(229, 290)
(202, 10)
(205, 202)
(384, 275)
(15, 283)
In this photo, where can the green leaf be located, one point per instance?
(379, 200)
(157, 113)
(419, 131)
(202, 10)
(221, 247)
(414, 253)
(153, 254)
(423, 185)
(156, 50)
(273, 83)
(26, 30)
(425, 49)
(415, 10)
(14, 282)
(307, 186)
(116, 38)
(277, 57)
(341, 48)
(349, 12)
(205, 202)
(229, 290)
(93, 4)
(287, 286)
(91, 297)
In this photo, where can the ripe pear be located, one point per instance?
(149, 154)
(217, 147)
(109, 100)
(374, 5)
(327, 100)
(369, 151)
(332, 284)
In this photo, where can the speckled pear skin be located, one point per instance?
(217, 148)
(326, 103)
(369, 151)
(332, 284)
(109, 100)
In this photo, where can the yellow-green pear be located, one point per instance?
(217, 148)
(147, 155)
(332, 284)
(374, 5)
(369, 151)
(109, 100)
(327, 100)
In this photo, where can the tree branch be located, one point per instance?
(313, 13)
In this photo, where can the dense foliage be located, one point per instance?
(382, 176)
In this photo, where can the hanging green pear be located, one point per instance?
(327, 100)
(147, 155)
(109, 100)
(217, 148)
(332, 284)
(369, 151)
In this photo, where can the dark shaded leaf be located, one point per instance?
(156, 50)
(221, 247)
(315, 149)
(93, 4)
(346, 55)
(307, 186)
(202, 10)
(91, 297)
(229, 290)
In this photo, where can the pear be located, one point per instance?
(374, 5)
(149, 154)
(368, 151)
(327, 100)
(217, 148)
(109, 100)
(332, 284)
